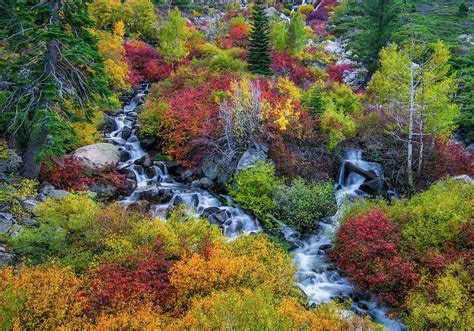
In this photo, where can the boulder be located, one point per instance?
(126, 132)
(210, 210)
(30, 204)
(6, 259)
(103, 190)
(270, 11)
(464, 178)
(375, 187)
(204, 183)
(251, 156)
(218, 218)
(150, 193)
(50, 192)
(209, 169)
(99, 154)
(6, 222)
(129, 186)
(108, 124)
(188, 173)
(145, 161)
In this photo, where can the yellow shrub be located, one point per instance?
(245, 263)
(145, 318)
(112, 50)
(52, 297)
(306, 9)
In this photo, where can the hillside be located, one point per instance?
(236, 165)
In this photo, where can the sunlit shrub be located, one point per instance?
(156, 70)
(145, 317)
(432, 219)
(253, 188)
(50, 298)
(16, 187)
(246, 263)
(442, 303)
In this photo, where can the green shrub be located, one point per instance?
(253, 189)
(39, 245)
(11, 302)
(463, 9)
(301, 204)
(150, 118)
(433, 218)
(68, 232)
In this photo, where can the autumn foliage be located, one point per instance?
(373, 262)
(70, 174)
(143, 277)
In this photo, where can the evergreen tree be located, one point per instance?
(259, 55)
(51, 57)
(315, 101)
(379, 23)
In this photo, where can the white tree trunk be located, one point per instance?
(410, 127)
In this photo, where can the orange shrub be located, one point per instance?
(52, 297)
(249, 262)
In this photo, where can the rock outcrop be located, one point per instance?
(98, 154)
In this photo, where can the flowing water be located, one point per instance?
(317, 276)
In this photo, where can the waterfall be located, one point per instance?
(317, 276)
(154, 183)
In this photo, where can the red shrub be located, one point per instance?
(192, 121)
(321, 14)
(68, 173)
(238, 35)
(336, 72)
(366, 250)
(135, 76)
(143, 278)
(448, 159)
(284, 64)
(156, 70)
(138, 53)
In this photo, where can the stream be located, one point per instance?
(317, 276)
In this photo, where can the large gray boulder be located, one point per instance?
(98, 154)
(251, 156)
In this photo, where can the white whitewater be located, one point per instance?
(317, 276)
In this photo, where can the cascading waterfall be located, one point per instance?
(154, 183)
(317, 276)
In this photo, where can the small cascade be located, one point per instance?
(317, 276)
(155, 185)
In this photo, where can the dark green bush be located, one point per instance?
(301, 204)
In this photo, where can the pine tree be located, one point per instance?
(259, 54)
(315, 100)
(51, 58)
(378, 24)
